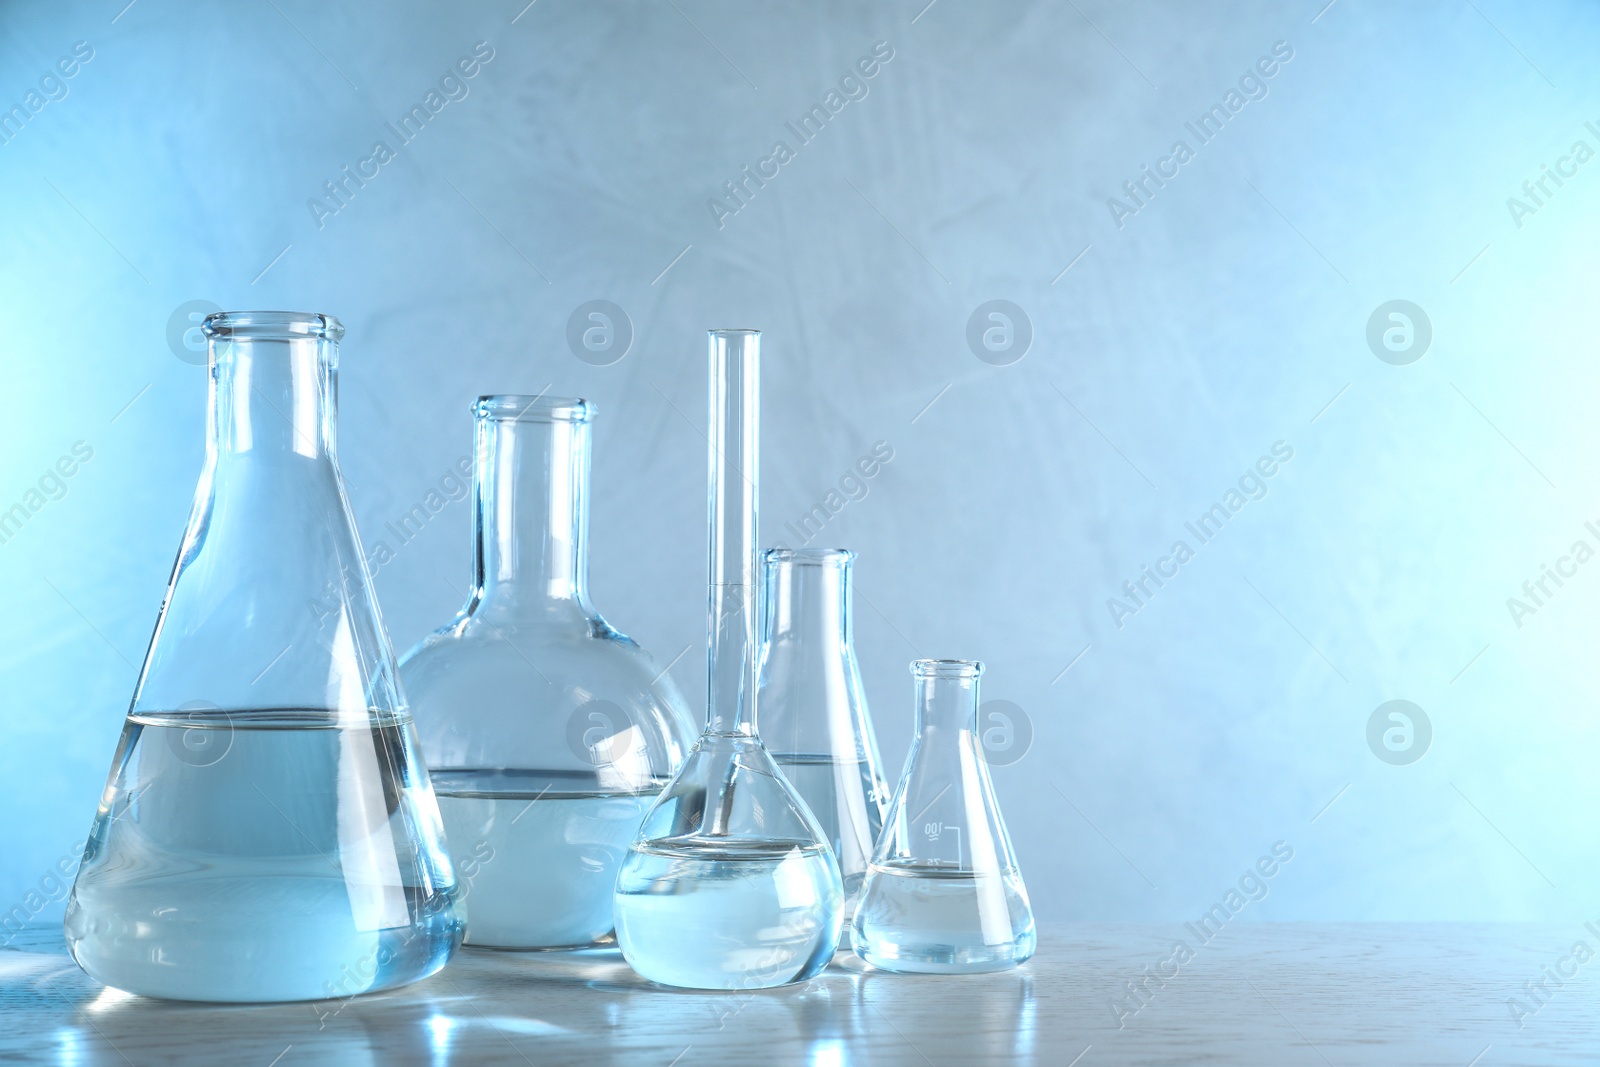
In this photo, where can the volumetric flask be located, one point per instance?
(814, 717)
(547, 732)
(943, 894)
(731, 883)
(268, 831)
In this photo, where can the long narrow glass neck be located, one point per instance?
(272, 396)
(732, 596)
(530, 487)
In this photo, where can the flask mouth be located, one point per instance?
(808, 557)
(514, 407)
(946, 668)
(271, 325)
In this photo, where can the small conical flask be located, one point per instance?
(731, 883)
(268, 831)
(547, 732)
(944, 894)
(814, 717)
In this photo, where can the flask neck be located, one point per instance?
(947, 700)
(530, 486)
(733, 596)
(272, 397)
(808, 609)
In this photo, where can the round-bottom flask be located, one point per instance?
(731, 883)
(943, 893)
(547, 732)
(745, 894)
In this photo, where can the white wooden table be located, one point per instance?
(1279, 994)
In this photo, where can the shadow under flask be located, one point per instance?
(814, 717)
(268, 831)
(547, 732)
(944, 894)
(731, 883)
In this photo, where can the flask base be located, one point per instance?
(537, 865)
(929, 919)
(745, 915)
(939, 959)
(252, 940)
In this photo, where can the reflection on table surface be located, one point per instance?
(1317, 994)
(524, 1007)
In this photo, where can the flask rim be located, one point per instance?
(808, 557)
(947, 668)
(271, 325)
(518, 407)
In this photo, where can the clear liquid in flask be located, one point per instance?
(263, 856)
(928, 917)
(731, 883)
(741, 915)
(944, 894)
(547, 732)
(843, 795)
(538, 852)
(813, 705)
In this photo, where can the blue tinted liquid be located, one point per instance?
(537, 853)
(847, 800)
(749, 915)
(931, 919)
(264, 857)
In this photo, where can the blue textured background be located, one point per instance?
(1229, 313)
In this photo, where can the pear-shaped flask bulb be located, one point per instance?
(268, 831)
(943, 894)
(814, 717)
(547, 732)
(731, 883)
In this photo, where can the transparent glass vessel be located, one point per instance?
(267, 832)
(814, 717)
(548, 732)
(944, 894)
(731, 883)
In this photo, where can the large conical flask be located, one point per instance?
(267, 831)
(731, 883)
(814, 717)
(547, 732)
(944, 894)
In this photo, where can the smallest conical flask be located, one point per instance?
(943, 893)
